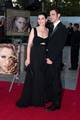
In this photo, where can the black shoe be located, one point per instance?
(21, 104)
(53, 107)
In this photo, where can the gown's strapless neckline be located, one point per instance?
(42, 37)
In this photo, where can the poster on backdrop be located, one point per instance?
(8, 59)
(18, 22)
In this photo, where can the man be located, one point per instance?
(70, 32)
(55, 46)
(75, 41)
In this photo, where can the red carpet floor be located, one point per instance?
(8, 111)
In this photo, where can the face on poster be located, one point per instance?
(8, 59)
(18, 22)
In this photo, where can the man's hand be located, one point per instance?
(49, 61)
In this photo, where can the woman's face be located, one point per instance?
(41, 20)
(5, 53)
(20, 23)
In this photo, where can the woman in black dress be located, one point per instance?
(33, 93)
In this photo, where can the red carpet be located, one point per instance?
(8, 111)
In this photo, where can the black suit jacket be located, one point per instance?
(56, 43)
(75, 39)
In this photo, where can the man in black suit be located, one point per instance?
(54, 49)
(75, 41)
(70, 32)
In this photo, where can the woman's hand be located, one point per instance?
(27, 62)
(49, 61)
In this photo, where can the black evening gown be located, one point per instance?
(33, 93)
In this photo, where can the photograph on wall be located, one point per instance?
(8, 59)
(18, 22)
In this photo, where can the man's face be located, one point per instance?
(54, 16)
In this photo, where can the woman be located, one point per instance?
(8, 59)
(20, 24)
(34, 87)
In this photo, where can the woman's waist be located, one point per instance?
(39, 43)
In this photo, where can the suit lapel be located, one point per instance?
(56, 28)
(53, 31)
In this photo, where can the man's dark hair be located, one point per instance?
(57, 9)
(76, 25)
(70, 24)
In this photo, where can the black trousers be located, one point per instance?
(53, 80)
(74, 56)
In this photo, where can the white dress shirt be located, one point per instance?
(56, 23)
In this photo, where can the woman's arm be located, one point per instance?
(30, 43)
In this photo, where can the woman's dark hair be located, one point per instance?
(43, 13)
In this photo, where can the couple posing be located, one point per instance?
(44, 56)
